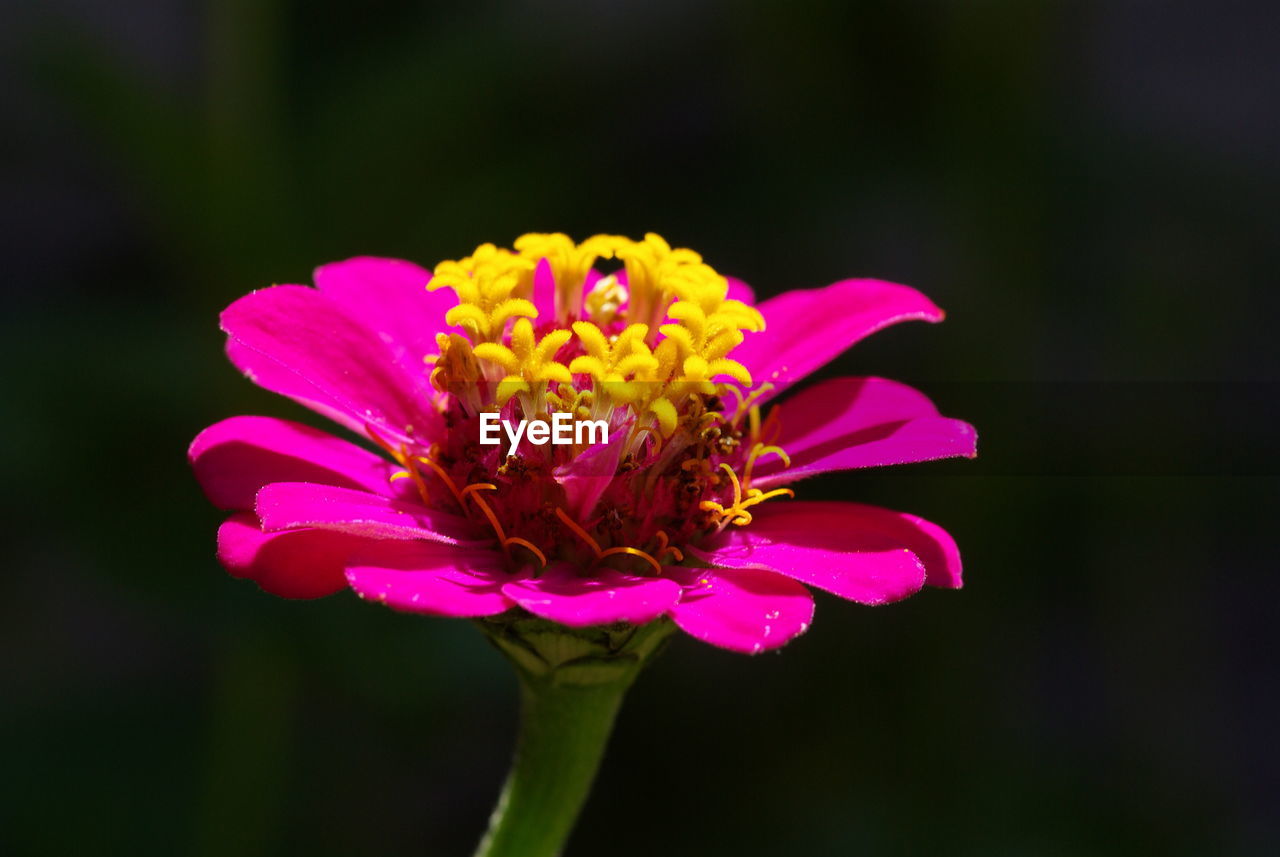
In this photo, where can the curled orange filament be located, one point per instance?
(595, 546)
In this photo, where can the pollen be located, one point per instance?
(614, 365)
(529, 365)
(736, 513)
(490, 286)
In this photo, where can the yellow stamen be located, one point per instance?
(529, 364)
(745, 404)
(605, 300)
(737, 396)
(737, 513)
(755, 495)
(490, 286)
(570, 263)
(759, 450)
(713, 416)
(612, 364)
(665, 413)
(737, 486)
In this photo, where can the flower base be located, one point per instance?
(571, 685)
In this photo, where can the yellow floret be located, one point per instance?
(680, 327)
(491, 291)
(529, 364)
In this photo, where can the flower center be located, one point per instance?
(645, 348)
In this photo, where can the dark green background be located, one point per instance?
(1089, 189)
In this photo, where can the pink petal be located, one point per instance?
(297, 342)
(740, 291)
(431, 578)
(586, 476)
(559, 594)
(296, 564)
(845, 423)
(278, 378)
(289, 505)
(544, 291)
(807, 328)
(390, 297)
(863, 553)
(742, 610)
(234, 458)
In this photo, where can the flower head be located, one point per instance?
(684, 511)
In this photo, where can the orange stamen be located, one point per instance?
(516, 540)
(759, 450)
(401, 455)
(478, 486)
(581, 533)
(444, 475)
(398, 455)
(493, 519)
(664, 547)
(657, 567)
(413, 474)
(772, 428)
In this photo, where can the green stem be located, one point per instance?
(563, 732)
(571, 687)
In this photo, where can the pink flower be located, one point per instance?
(669, 518)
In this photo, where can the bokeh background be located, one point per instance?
(1089, 189)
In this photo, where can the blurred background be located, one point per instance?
(1089, 189)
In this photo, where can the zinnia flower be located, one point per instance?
(685, 512)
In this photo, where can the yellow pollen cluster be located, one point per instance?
(491, 286)
(737, 513)
(529, 365)
(678, 328)
(570, 263)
